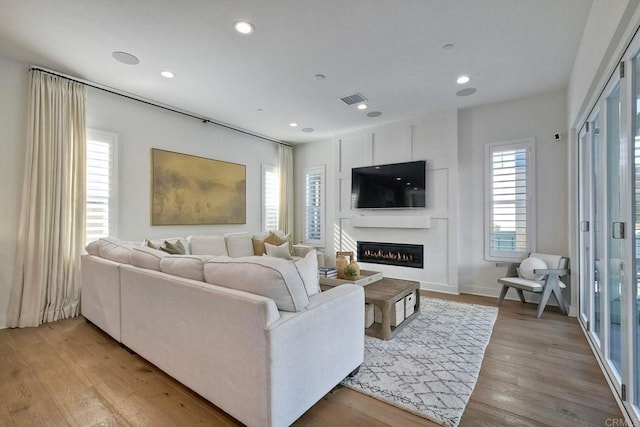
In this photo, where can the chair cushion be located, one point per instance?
(529, 265)
(522, 283)
(526, 284)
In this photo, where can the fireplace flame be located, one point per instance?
(390, 255)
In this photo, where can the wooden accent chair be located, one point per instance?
(540, 273)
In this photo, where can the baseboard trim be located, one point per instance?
(439, 287)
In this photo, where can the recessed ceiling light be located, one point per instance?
(463, 79)
(447, 46)
(125, 58)
(293, 124)
(307, 130)
(319, 77)
(167, 74)
(363, 107)
(398, 179)
(466, 92)
(374, 114)
(259, 110)
(244, 27)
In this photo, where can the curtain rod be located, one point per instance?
(155, 104)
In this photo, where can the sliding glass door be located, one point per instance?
(609, 230)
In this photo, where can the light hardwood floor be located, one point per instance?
(535, 372)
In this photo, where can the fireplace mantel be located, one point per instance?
(391, 221)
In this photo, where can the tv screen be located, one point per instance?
(398, 185)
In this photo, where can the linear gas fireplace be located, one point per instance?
(391, 254)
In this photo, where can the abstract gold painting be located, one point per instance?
(189, 190)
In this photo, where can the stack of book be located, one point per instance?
(328, 272)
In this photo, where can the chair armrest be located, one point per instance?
(557, 271)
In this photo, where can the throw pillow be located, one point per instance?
(176, 248)
(281, 251)
(308, 269)
(148, 243)
(529, 265)
(207, 244)
(258, 244)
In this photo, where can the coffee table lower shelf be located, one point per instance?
(375, 330)
(383, 294)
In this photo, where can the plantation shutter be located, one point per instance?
(510, 225)
(99, 189)
(314, 209)
(271, 197)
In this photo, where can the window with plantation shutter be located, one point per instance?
(100, 185)
(314, 205)
(510, 191)
(270, 197)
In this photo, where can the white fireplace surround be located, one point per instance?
(391, 221)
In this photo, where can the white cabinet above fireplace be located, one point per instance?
(390, 221)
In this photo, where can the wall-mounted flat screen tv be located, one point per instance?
(392, 186)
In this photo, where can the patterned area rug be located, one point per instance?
(430, 367)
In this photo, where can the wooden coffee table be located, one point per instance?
(384, 294)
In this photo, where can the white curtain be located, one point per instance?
(285, 169)
(46, 284)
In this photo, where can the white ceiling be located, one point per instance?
(390, 51)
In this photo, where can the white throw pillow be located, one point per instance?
(527, 267)
(308, 269)
(273, 278)
(115, 250)
(207, 245)
(281, 251)
(187, 266)
(146, 257)
(239, 244)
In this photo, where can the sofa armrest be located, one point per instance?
(312, 351)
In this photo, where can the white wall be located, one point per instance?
(609, 26)
(141, 127)
(538, 116)
(432, 138)
(14, 82)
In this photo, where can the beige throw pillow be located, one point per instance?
(281, 251)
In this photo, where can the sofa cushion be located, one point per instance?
(93, 248)
(187, 266)
(275, 278)
(281, 251)
(146, 257)
(203, 244)
(308, 270)
(114, 249)
(239, 244)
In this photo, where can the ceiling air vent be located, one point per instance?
(353, 99)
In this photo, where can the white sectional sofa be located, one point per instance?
(252, 334)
